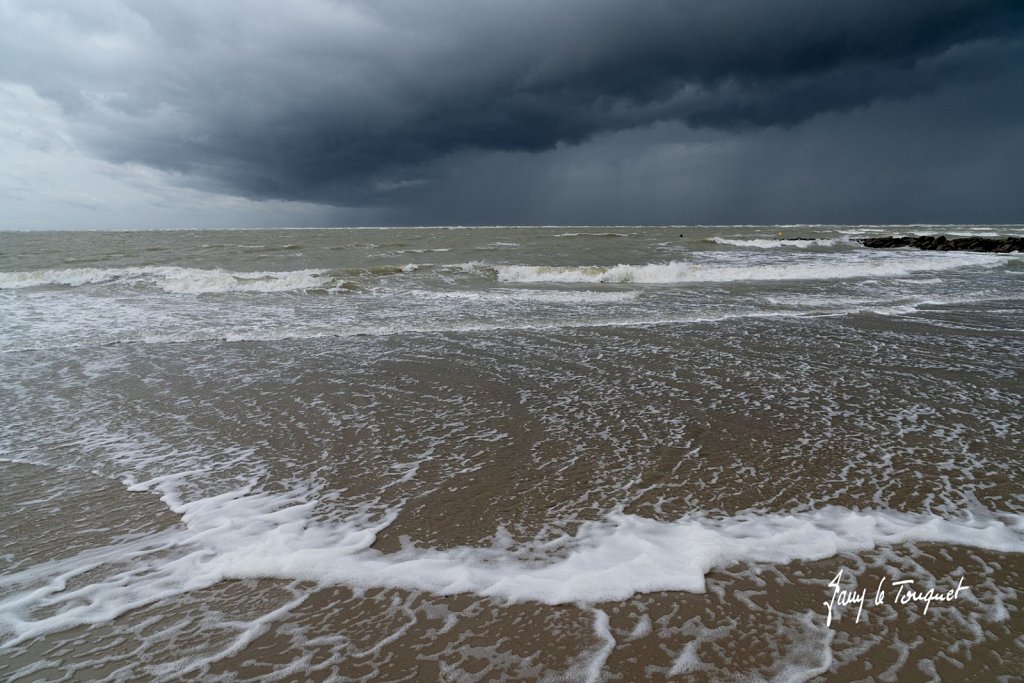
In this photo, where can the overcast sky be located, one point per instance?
(204, 113)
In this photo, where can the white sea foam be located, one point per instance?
(590, 234)
(440, 324)
(265, 333)
(246, 533)
(682, 271)
(528, 295)
(70, 277)
(172, 279)
(197, 281)
(776, 243)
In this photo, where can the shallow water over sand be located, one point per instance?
(475, 454)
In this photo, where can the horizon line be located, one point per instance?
(526, 226)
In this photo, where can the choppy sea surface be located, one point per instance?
(472, 454)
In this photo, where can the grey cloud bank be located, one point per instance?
(462, 111)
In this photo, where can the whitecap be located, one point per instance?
(687, 271)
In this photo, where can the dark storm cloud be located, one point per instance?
(358, 102)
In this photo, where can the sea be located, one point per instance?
(600, 453)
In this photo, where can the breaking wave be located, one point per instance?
(680, 271)
(777, 243)
(173, 279)
(179, 280)
(195, 281)
(529, 296)
(591, 234)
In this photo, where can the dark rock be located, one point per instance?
(887, 242)
(994, 245)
